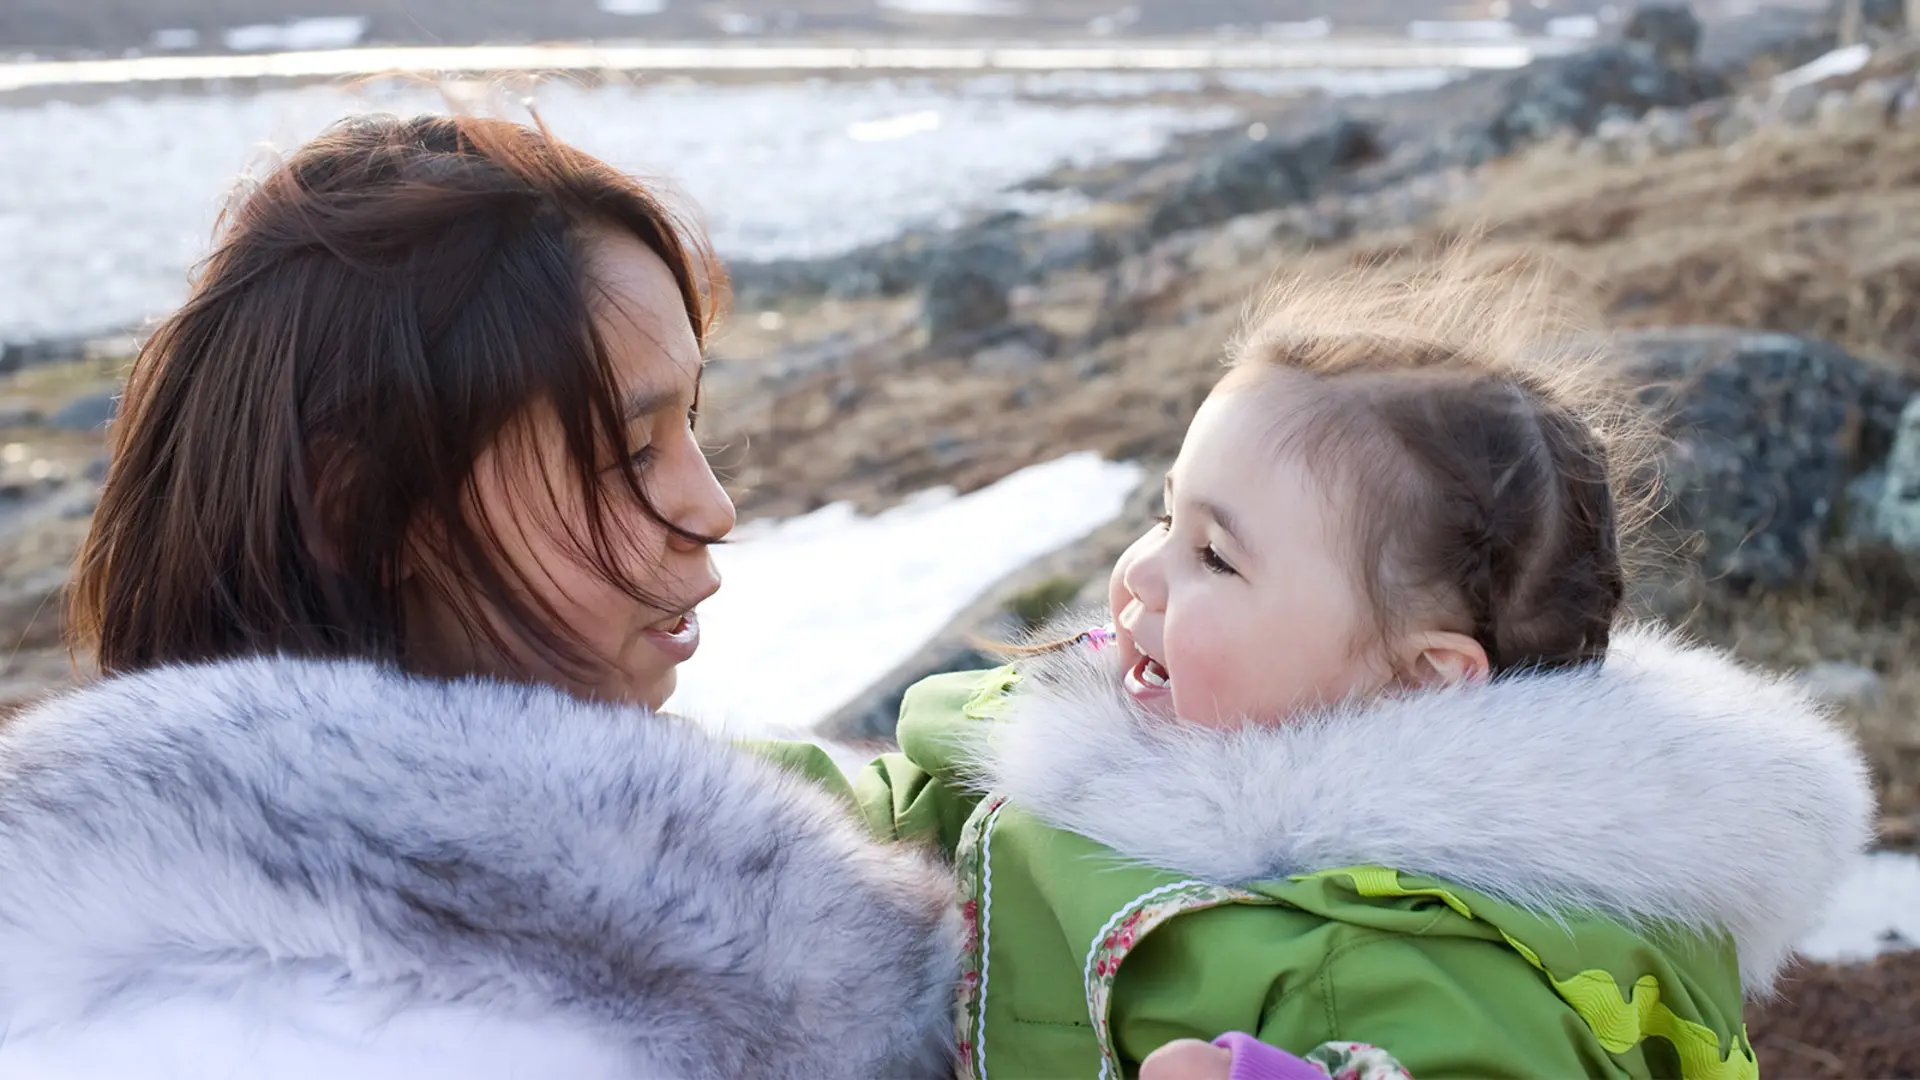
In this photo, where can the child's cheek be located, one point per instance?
(1203, 683)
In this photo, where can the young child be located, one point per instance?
(1363, 759)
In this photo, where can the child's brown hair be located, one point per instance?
(1489, 464)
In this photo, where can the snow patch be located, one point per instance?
(330, 32)
(633, 7)
(818, 608)
(1833, 65)
(976, 8)
(1876, 909)
(1462, 30)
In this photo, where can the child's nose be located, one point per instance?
(1146, 579)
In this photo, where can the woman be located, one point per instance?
(400, 548)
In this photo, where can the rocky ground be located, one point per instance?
(1752, 248)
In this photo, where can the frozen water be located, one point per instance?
(103, 207)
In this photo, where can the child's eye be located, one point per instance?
(693, 417)
(1165, 521)
(1211, 559)
(639, 458)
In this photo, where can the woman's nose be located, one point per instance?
(702, 507)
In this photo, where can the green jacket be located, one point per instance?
(1567, 875)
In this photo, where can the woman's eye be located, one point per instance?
(693, 417)
(640, 457)
(1211, 559)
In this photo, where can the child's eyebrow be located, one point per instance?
(1221, 516)
(1224, 518)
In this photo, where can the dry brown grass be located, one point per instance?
(1796, 231)
(1842, 1022)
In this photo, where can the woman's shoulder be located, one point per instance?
(396, 830)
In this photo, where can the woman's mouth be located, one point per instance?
(1148, 682)
(678, 639)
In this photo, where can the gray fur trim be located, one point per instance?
(1669, 784)
(477, 869)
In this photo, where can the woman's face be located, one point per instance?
(528, 495)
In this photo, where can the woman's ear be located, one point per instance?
(1440, 658)
(322, 480)
(325, 517)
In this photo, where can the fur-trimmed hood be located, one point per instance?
(283, 869)
(1669, 784)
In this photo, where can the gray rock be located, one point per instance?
(1739, 122)
(1141, 286)
(1073, 249)
(1015, 357)
(1798, 105)
(1582, 90)
(968, 284)
(1898, 517)
(1264, 175)
(1843, 684)
(1616, 129)
(1768, 430)
(82, 506)
(1246, 239)
(86, 413)
(15, 355)
(1668, 130)
(1707, 115)
(1875, 101)
(17, 413)
(1865, 111)
(1859, 520)
(1833, 102)
(1906, 108)
(1671, 30)
(1876, 16)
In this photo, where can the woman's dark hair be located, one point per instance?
(377, 311)
(1490, 465)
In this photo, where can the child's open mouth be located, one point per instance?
(1148, 682)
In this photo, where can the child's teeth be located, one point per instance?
(1153, 674)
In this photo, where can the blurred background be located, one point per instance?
(986, 252)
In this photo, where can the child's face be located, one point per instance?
(1245, 608)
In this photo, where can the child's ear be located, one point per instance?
(1442, 658)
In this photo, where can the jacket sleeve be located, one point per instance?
(1443, 1007)
(918, 793)
(902, 801)
(805, 760)
(897, 799)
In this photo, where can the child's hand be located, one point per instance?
(1187, 1059)
(1239, 1056)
